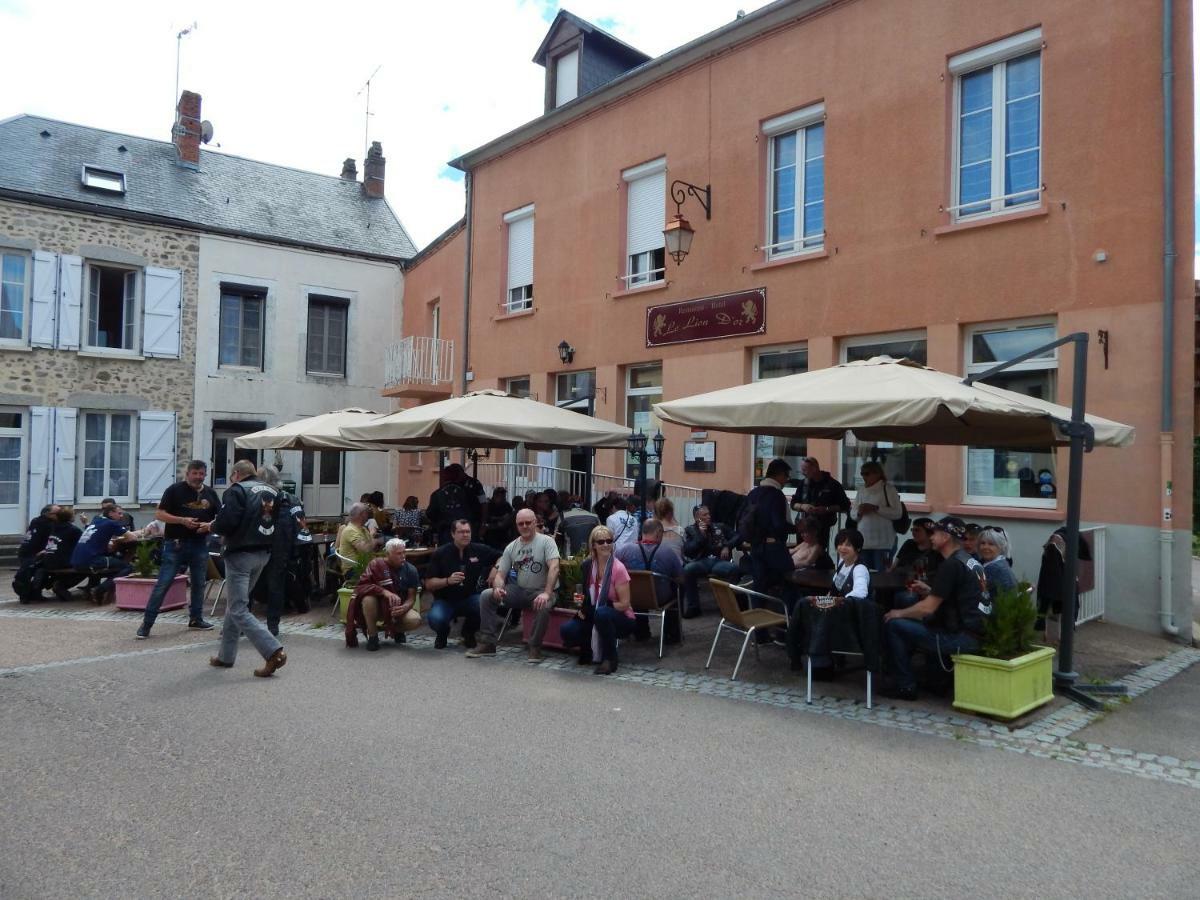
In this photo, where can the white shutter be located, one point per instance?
(520, 252)
(161, 312)
(70, 302)
(45, 300)
(39, 457)
(64, 454)
(566, 78)
(156, 454)
(647, 213)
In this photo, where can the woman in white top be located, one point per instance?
(876, 507)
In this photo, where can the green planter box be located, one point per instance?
(1004, 688)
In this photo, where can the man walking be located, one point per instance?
(247, 522)
(289, 521)
(186, 509)
(454, 572)
(524, 579)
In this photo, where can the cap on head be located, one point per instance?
(953, 526)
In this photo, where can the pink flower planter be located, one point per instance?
(553, 636)
(134, 593)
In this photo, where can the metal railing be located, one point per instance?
(419, 360)
(519, 477)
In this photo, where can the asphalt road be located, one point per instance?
(416, 773)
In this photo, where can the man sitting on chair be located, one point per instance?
(649, 554)
(386, 592)
(455, 570)
(354, 538)
(706, 545)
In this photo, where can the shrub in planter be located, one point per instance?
(133, 591)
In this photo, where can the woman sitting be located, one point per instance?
(992, 546)
(808, 553)
(852, 581)
(605, 614)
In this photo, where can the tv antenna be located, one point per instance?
(178, 50)
(367, 117)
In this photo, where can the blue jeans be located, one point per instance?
(241, 572)
(701, 568)
(906, 635)
(576, 634)
(443, 612)
(611, 625)
(177, 553)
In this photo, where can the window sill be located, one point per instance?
(239, 370)
(790, 260)
(326, 376)
(519, 314)
(641, 289)
(17, 348)
(1036, 212)
(111, 354)
(1038, 513)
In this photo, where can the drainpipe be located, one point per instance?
(466, 323)
(1166, 534)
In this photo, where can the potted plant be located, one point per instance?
(133, 591)
(570, 577)
(346, 591)
(1010, 675)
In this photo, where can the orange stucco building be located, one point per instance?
(955, 182)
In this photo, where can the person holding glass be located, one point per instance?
(604, 613)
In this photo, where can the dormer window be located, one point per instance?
(103, 180)
(566, 78)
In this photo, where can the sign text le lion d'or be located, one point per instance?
(727, 315)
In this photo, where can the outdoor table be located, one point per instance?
(826, 624)
(883, 584)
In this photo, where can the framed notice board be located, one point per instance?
(700, 456)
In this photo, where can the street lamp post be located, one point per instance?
(637, 449)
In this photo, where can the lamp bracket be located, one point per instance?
(681, 189)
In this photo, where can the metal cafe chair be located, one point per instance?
(214, 576)
(745, 622)
(643, 598)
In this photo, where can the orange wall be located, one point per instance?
(881, 70)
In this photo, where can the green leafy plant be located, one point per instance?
(1008, 631)
(144, 565)
(570, 574)
(361, 561)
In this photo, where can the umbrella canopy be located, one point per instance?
(884, 399)
(314, 433)
(490, 419)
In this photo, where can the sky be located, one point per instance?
(283, 82)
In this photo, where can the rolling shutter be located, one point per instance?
(64, 454)
(156, 454)
(566, 78)
(161, 312)
(40, 457)
(70, 302)
(520, 252)
(647, 212)
(43, 308)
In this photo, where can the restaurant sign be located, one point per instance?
(727, 315)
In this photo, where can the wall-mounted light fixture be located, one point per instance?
(566, 352)
(679, 232)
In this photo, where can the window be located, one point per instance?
(572, 389)
(11, 437)
(643, 388)
(775, 364)
(997, 129)
(103, 180)
(646, 200)
(904, 464)
(112, 308)
(107, 452)
(518, 387)
(436, 324)
(241, 341)
(520, 259)
(14, 296)
(566, 78)
(795, 182)
(1005, 475)
(327, 335)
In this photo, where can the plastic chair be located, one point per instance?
(643, 598)
(742, 621)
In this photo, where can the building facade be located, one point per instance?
(965, 196)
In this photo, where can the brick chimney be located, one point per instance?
(373, 172)
(349, 170)
(186, 133)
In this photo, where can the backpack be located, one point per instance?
(902, 524)
(749, 528)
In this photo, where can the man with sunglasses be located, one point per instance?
(525, 579)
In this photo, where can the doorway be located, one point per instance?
(225, 454)
(321, 477)
(13, 461)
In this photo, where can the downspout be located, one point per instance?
(1166, 534)
(466, 323)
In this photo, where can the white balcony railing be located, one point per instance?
(419, 360)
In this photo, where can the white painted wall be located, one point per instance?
(283, 391)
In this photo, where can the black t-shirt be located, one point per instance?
(475, 560)
(909, 554)
(961, 584)
(35, 537)
(180, 500)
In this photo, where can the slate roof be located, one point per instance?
(229, 194)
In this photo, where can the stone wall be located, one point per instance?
(41, 377)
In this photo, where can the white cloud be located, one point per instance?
(280, 81)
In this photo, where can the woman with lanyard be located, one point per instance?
(605, 615)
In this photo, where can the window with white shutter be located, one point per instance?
(14, 296)
(70, 302)
(63, 471)
(107, 464)
(43, 305)
(566, 78)
(112, 309)
(156, 454)
(161, 312)
(41, 427)
(646, 202)
(519, 226)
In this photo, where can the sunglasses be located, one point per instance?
(602, 541)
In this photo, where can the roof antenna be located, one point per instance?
(367, 118)
(178, 48)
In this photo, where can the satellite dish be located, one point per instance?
(206, 131)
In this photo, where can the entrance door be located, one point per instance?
(225, 454)
(13, 452)
(321, 483)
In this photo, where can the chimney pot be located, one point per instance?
(186, 133)
(349, 169)
(373, 167)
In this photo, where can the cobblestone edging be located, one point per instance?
(1046, 738)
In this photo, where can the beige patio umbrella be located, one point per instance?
(313, 433)
(485, 419)
(885, 399)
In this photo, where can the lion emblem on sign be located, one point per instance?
(660, 324)
(749, 312)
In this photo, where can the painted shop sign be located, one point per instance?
(726, 315)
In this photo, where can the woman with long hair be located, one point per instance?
(604, 614)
